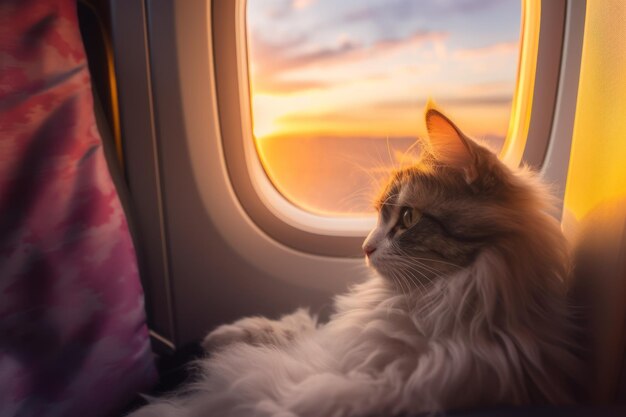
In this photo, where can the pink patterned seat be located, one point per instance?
(73, 339)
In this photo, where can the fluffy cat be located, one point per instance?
(467, 307)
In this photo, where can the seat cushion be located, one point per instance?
(73, 338)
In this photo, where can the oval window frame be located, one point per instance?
(542, 34)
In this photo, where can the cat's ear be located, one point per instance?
(449, 146)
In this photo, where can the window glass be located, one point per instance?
(338, 88)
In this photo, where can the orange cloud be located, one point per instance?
(501, 48)
(302, 4)
(272, 63)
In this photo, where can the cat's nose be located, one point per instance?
(368, 249)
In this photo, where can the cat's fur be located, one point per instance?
(467, 307)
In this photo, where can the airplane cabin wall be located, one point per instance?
(595, 197)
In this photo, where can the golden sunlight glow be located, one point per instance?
(523, 99)
(597, 171)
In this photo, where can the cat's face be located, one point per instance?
(435, 217)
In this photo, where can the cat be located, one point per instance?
(466, 306)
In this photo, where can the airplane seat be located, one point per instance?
(599, 303)
(73, 338)
(594, 214)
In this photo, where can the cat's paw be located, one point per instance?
(251, 330)
(260, 331)
(225, 335)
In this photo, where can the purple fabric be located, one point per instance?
(73, 339)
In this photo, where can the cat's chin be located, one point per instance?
(377, 270)
(381, 269)
(374, 263)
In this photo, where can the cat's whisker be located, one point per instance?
(403, 280)
(391, 161)
(439, 261)
(427, 267)
(405, 264)
(404, 261)
(418, 258)
(429, 280)
(418, 284)
(410, 287)
(396, 279)
(388, 198)
(373, 166)
(411, 268)
(418, 142)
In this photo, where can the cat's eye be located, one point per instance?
(409, 217)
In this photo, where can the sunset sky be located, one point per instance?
(365, 68)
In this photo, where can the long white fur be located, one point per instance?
(377, 356)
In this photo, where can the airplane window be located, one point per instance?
(338, 88)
